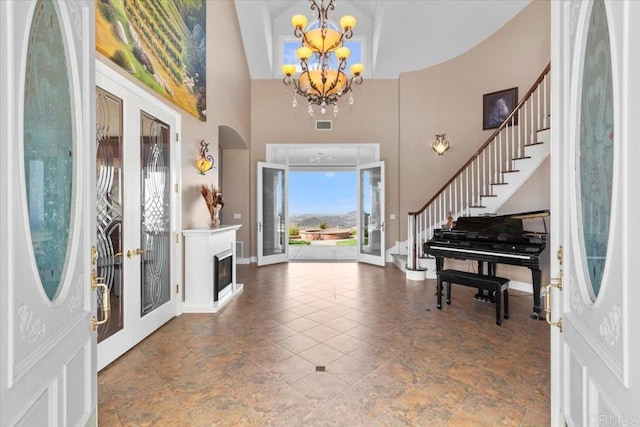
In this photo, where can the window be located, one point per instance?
(289, 47)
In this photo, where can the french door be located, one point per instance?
(371, 214)
(47, 347)
(273, 234)
(137, 213)
(272, 226)
(595, 345)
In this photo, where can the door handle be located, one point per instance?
(106, 301)
(260, 226)
(137, 251)
(555, 283)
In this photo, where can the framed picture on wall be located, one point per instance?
(496, 106)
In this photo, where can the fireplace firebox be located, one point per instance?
(222, 273)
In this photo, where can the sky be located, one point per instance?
(322, 192)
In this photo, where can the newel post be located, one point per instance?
(412, 255)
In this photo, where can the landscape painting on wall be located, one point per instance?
(160, 42)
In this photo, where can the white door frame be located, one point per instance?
(135, 100)
(283, 256)
(379, 225)
(346, 157)
(595, 376)
(47, 347)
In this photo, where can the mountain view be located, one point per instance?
(347, 220)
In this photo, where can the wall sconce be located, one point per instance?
(440, 145)
(204, 162)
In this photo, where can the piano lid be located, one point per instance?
(487, 224)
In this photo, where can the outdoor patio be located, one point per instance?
(322, 250)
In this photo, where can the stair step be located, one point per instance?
(488, 195)
(511, 171)
(400, 261)
(533, 144)
(521, 158)
(499, 183)
(477, 207)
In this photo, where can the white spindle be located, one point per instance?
(512, 143)
(496, 165)
(533, 121)
(483, 185)
(466, 190)
(519, 143)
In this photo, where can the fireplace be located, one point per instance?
(222, 274)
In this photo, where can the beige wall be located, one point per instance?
(404, 115)
(401, 115)
(237, 196)
(373, 118)
(447, 98)
(228, 103)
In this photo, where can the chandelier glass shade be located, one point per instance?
(319, 83)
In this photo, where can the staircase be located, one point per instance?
(487, 180)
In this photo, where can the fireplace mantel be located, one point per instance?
(200, 248)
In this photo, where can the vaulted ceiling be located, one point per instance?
(398, 35)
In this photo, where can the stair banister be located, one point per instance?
(476, 183)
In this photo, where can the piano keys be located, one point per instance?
(492, 240)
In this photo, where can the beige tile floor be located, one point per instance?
(390, 358)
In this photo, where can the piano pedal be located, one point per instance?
(485, 297)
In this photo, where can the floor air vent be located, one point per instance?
(323, 124)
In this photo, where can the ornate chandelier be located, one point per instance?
(318, 82)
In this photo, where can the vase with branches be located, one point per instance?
(213, 198)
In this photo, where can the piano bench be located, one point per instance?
(498, 285)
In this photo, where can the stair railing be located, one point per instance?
(484, 170)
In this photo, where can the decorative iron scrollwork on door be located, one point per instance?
(156, 213)
(109, 207)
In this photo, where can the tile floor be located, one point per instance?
(389, 357)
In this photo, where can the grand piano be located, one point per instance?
(492, 240)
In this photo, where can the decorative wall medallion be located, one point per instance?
(30, 327)
(610, 326)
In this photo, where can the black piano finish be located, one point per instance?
(491, 241)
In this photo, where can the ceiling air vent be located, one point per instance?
(323, 124)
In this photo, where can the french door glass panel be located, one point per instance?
(371, 225)
(155, 224)
(109, 207)
(272, 212)
(136, 185)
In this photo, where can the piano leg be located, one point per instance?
(537, 309)
(439, 266)
(488, 269)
